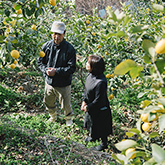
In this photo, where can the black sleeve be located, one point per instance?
(100, 92)
(42, 62)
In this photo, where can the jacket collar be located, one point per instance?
(60, 45)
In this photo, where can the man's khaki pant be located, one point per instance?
(63, 94)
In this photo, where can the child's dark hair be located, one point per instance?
(97, 64)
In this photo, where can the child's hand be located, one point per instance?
(83, 106)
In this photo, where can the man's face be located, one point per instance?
(57, 38)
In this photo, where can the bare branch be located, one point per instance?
(68, 154)
(86, 7)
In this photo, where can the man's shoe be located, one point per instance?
(51, 119)
(101, 147)
(69, 122)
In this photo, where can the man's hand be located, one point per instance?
(51, 71)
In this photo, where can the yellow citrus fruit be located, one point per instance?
(34, 27)
(93, 34)
(129, 150)
(42, 54)
(112, 75)
(112, 88)
(52, 2)
(144, 117)
(87, 22)
(108, 75)
(99, 46)
(153, 111)
(15, 62)
(15, 54)
(160, 47)
(12, 66)
(106, 53)
(19, 11)
(111, 96)
(146, 126)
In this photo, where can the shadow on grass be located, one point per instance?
(25, 146)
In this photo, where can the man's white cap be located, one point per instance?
(58, 27)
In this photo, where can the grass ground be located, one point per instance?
(26, 137)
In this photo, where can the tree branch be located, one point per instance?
(158, 73)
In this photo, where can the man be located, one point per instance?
(57, 66)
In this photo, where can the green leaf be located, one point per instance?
(111, 13)
(162, 122)
(139, 28)
(153, 134)
(147, 59)
(124, 67)
(151, 108)
(17, 7)
(126, 20)
(163, 90)
(140, 154)
(134, 72)
(145, 103)
(119, 158)
(37, 13)
(161, 100)
(7, 12)
(129, 134)
(150, 162)
(141, 94)
(2, 39)
(40, 3)
(149, 47)
(158, 153)
(138, 125)
(163, 28)
(119, 34)
(9, 46)
(14, 41)
(134, 130)
(160, 65)
(121, 146)
(80, 22)
(28, 12)
(119, 15)
(158, 7)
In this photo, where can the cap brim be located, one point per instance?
(57, 31)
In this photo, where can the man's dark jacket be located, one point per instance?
(61, 57)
